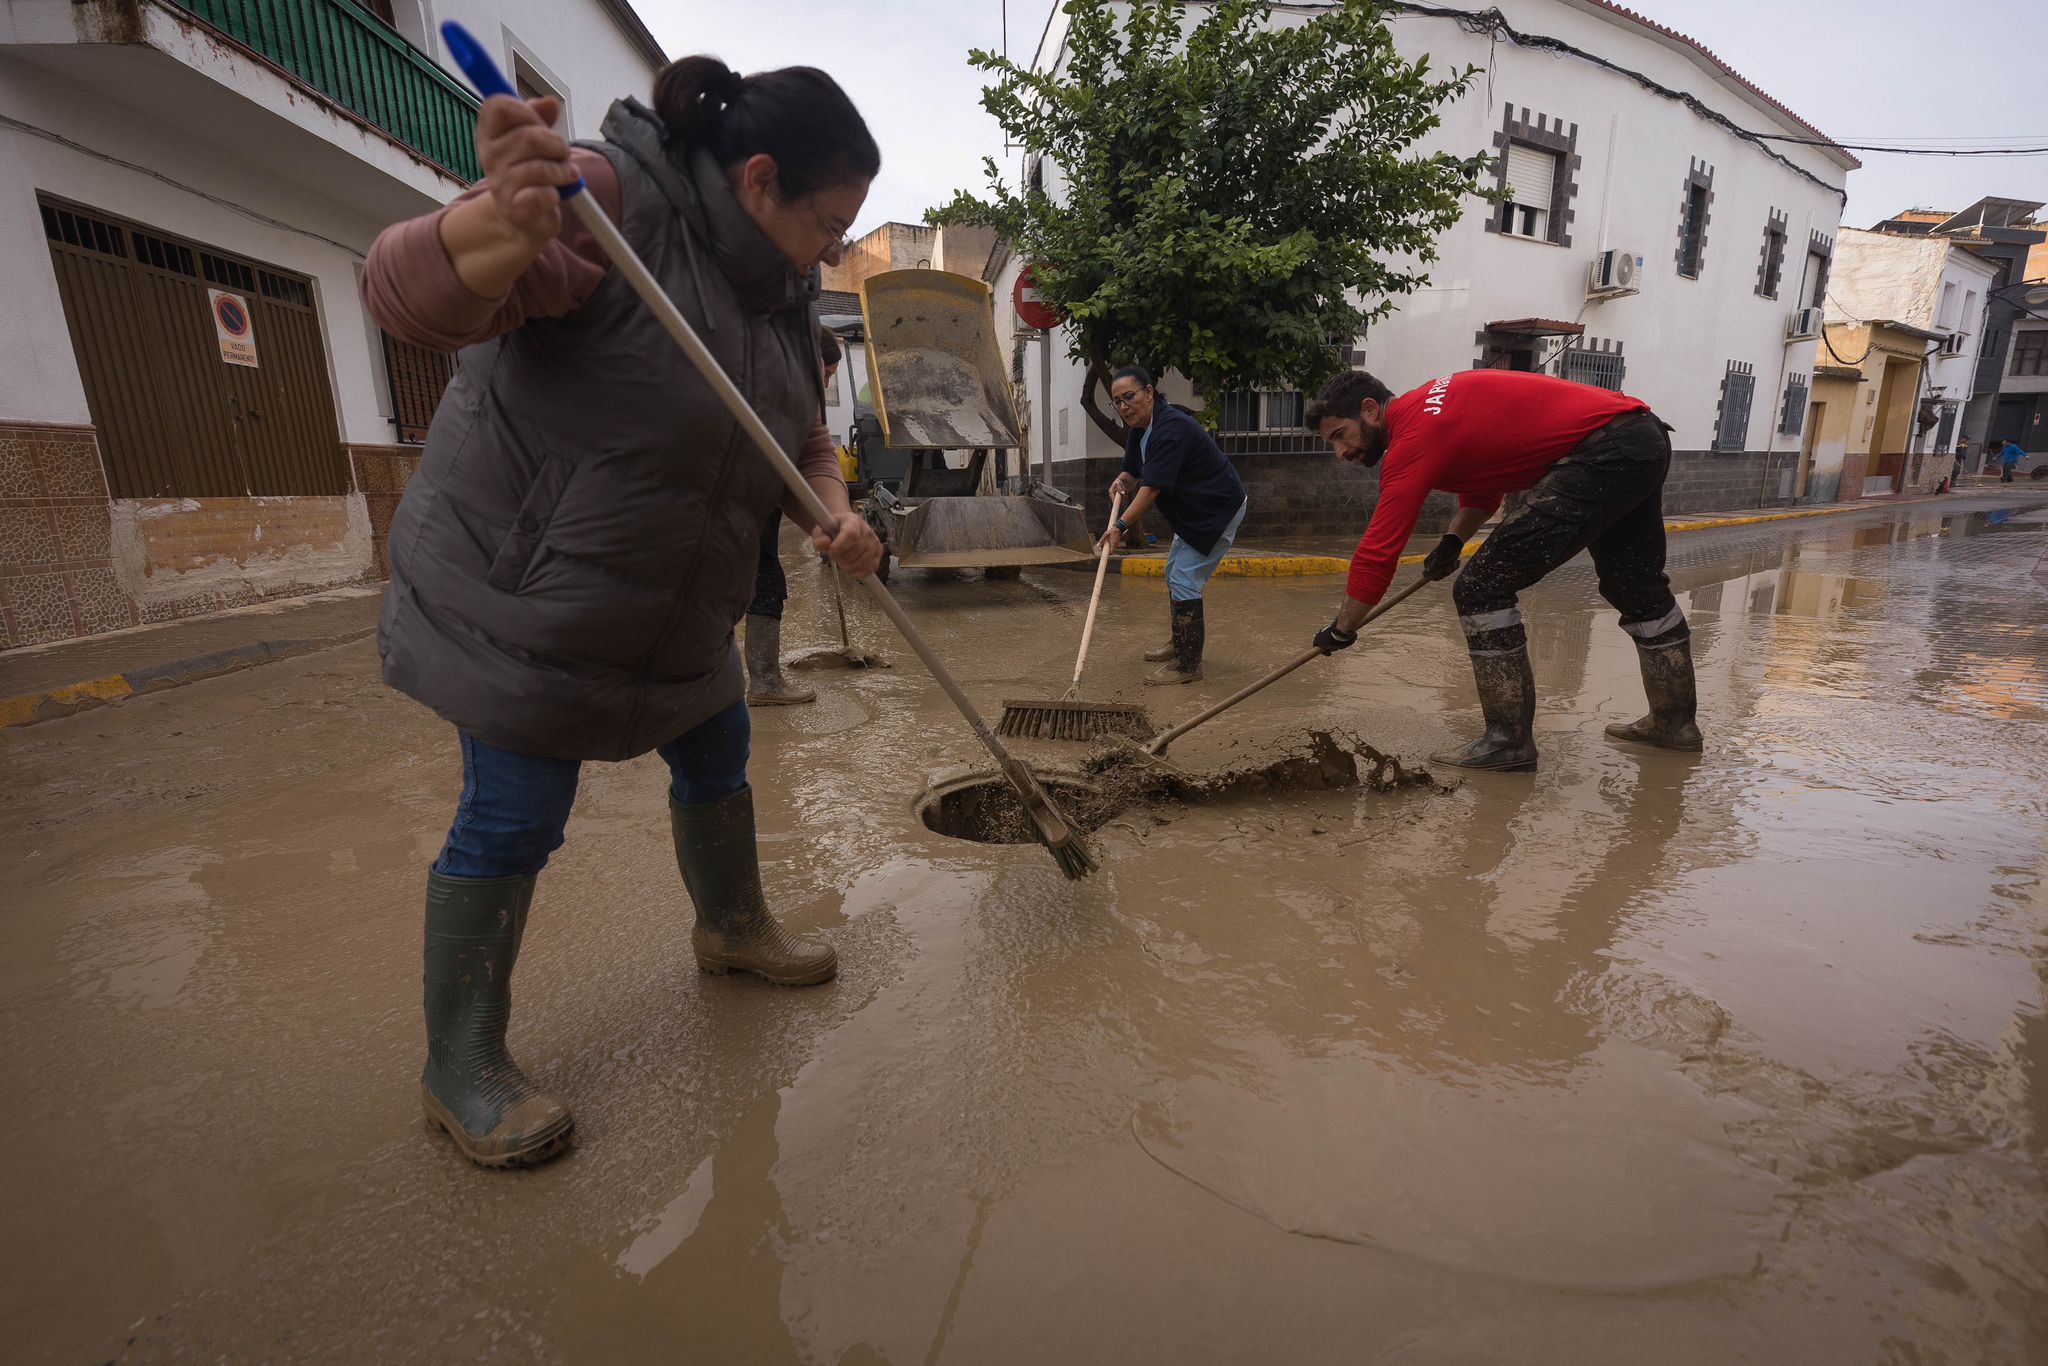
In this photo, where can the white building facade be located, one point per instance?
(1648, 247)
(1924, 282)
(174, 170)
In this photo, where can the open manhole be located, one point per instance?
(983, 807)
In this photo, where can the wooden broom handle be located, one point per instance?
(1116, 501)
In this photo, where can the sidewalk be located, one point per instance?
(47, 681)
(1271, 561)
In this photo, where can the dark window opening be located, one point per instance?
(85, 233)
(1694, 247)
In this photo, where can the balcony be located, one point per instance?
(342, 51)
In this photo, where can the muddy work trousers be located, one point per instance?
(514, 807)
(771, 585)
(1606, 497)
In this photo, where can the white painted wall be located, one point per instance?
(1678, 335)
(574, 46)
(225, 151)
(306, 232)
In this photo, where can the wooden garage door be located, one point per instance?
(175, 420)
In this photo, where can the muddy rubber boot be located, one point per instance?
(735, 931)
(1674, 700)
(1188, 639)
(1159, 654)
(766, 687)
(470, 1085)
(1507, 699)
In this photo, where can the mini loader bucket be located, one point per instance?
(940, 383)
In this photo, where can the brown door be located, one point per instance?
(174, 418)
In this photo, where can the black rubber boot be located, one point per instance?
(1507, 698)
(766, 687)
(1188, 639)
(1674, 700)
(470, 1085)
(735, 931)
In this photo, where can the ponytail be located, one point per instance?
(797, 115)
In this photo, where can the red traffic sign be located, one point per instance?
(231, 314)
(1033, 308)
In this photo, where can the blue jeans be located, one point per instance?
(514, 807)
(1188, 569)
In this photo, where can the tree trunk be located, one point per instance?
(1098, 375)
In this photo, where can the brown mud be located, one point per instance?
(1120, 775)
(1641, 1057)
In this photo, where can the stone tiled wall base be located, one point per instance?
(1722, 481)
(56, 558)
(382, 472)
(75, 563)
(186, 556)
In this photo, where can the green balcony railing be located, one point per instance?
(343, 51)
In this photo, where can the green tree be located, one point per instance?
(1239, 199)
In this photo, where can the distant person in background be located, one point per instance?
(2009, 460)
(766, 687)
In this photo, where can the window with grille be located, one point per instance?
(83, 231)
(1260, 410)
(227, 274)
(284, 289)
(1692, 251)
(417, 377)
(1239, 412)
(2030, 353)
(1601, 369)
(151, 250)
(1532, 182)
(1794, 420)
(1738, 388)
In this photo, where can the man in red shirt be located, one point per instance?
(1593, 463)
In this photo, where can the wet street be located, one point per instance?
(1642, 1058)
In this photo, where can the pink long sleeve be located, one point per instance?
(412, 291)
(819, 459)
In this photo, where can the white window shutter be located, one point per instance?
(1532, 175)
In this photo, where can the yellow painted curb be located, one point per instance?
(19, 711)
(1246, 566)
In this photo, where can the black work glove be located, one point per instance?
(1333, 638)
(1442, 562)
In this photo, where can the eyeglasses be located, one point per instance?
(1127, 400)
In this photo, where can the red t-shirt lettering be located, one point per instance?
(1481, 434)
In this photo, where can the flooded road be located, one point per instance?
(1642, 1058)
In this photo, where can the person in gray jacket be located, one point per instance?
(583, 531)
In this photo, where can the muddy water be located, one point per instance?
(1640, 1058)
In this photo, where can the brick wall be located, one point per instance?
(56, 559)
(381, 473)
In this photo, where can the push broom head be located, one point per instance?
(1083, 721)
(1056, 831)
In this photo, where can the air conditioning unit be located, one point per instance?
(1614, 272)
(1804, 324)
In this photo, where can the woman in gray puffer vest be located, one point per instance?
(568, 564)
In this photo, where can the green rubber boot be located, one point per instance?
(470, 1085)
(1507, 699)
(735, 931)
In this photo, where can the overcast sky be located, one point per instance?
(1876, 71)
